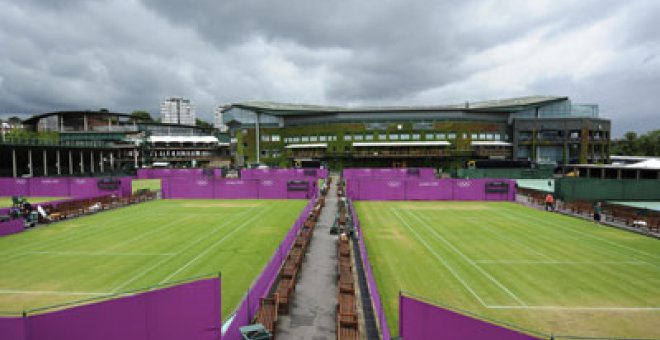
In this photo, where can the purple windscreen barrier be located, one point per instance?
(12, 328)
(185, 311)
(188, 187)
(428, 190)
(371, 282)
(236, 188)
(168, 173)
(14, 187)
(11, 227)
(390, 173)
(264, 282)
(57, 187)
(422, 320)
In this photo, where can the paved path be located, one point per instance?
(312, 312)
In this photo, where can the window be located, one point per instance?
(296, 139)
(440, 136)
(323, 138)
(405, 136)
(394, 136)
(348, 137)
(265, 138)
(482, 136)
(275, 138)
(358, 137)
(497, 136)
(305, 138)
(334, 138)
(265, 153)
(416, 136)
(489, 136)
(369, 137)
(472, 136)
(382, 136)
(429, 136)
(313, 138)
(451, 135)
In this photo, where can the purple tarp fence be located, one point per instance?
(185, 311)
(422, 320)
(11, 227)
(167, 173)
(261, 287)
(284, 173)
(380, 189)
(61, 186)
(225, 188)
(371, 282)
(390, 173)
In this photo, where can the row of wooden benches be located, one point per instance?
(82, 206)
(347, 316)
(278, 302)
(629, 216)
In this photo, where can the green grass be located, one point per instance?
(7, 201)
(143, 245)
(151, 184)
(541, 271)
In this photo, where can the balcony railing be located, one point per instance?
(400, 153)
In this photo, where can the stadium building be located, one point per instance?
(537, 128)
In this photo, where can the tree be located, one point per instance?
(203, 124)
(142, 115)
(14, 121)
(633, 145)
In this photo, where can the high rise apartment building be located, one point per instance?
(177, 110)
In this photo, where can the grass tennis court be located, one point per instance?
(541, 271)
(143, 245)
(151, 184)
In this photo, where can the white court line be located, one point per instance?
(576, 231)
(581, 308)
(196, 241)
(50, 292)
(241, 226)
(148, 233)
(481, 270)
(440, 259)
(82, 253)
(557, 262)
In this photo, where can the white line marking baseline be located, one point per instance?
(51, 292)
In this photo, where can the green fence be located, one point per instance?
(592, 189)
(539, 173)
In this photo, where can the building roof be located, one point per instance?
(183, 139)
(35, 118)
(420, 143)
(503, 105)
(307, 146)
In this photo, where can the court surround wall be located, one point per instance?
(185, 311)
(422, 320)
(61, 187)
(224, 188)
(410, 189)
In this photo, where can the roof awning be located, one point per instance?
(424, 143)
(307, 146)
(490, 143)
(183, 139)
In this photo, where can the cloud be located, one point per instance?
(128, 55)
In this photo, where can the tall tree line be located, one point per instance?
(632, 144)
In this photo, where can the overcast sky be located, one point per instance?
(129, 54)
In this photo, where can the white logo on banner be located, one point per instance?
(50, 181)
(202, 183)
(21, 181)
(234, 182)
(429, 184)
(80, 181)
(393, 184)
(464, 184)
(267, 183)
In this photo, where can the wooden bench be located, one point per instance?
(267, 313)
(283, 291)
(289, 270)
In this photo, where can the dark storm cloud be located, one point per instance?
(130, 54)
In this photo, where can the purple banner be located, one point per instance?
(61, 186)
(186, 311)
(371, 282)
(263, 284)
(224, 188)
(378, 189)
(422, 320)
(284, 173)
(236, 188)
(11, 227)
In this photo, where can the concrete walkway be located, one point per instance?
(312, 312)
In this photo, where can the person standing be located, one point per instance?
(598, 210)
(549, 202)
